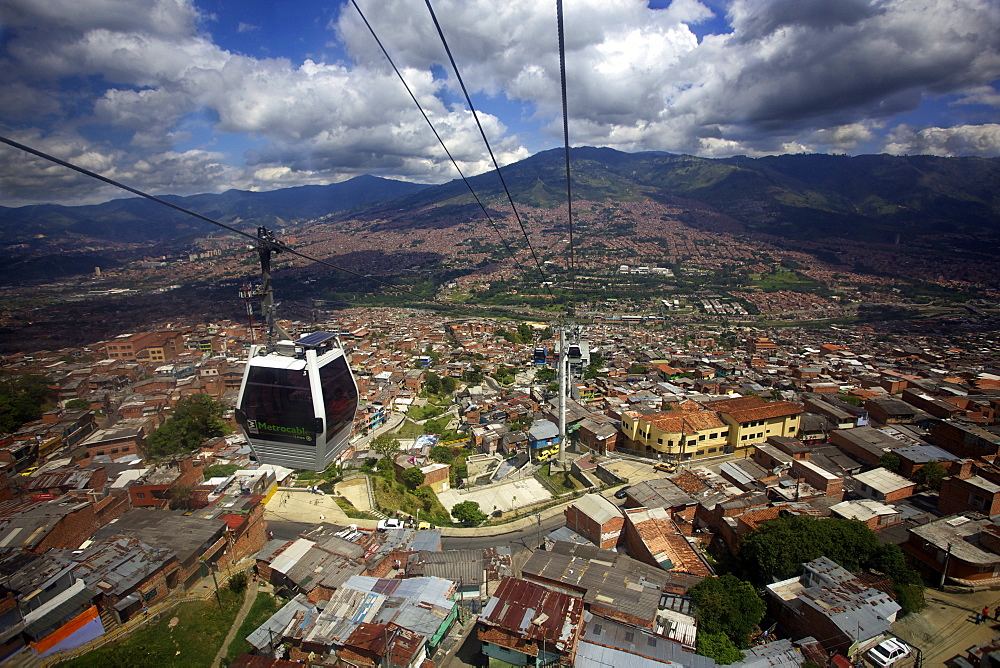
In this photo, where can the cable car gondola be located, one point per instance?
(297, 403)
(298, 398)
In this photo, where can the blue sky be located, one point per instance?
(185, 96)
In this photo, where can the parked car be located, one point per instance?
(888, 652)
(425, 525)
(668, 467)
(620, 494)
(385, 525)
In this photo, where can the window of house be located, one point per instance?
(659, 441)
(743, 437)
(977, 501)
(700, 453)
(114, 451)
(711, 450)
(140, 495)
(692, 442)
(701, 437)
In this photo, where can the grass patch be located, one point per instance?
(391, 496)
(409, 429)
(351, 511)
(788, 280)
(561, 481)
(193, 642)
(262, 609)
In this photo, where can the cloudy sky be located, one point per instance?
(185, 96)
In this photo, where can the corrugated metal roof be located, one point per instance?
(287, 559)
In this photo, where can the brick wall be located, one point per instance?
(959, 495)
(74, 528)
(605, 536)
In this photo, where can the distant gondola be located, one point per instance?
(297, 403)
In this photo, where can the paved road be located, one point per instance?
(527, 536)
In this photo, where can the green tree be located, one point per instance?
(194, 420)
(637, 369)
(780, 546)
(468, 512)
(525, 333)
(442, 454)
(386, 445)
(728, 605)
(413, 478)
(593, 369)
(930, 474)
(448, 385)
(181, 497)
(23, 399)
(890, 461)
(718, 646)
(545, 374)
(432, 383)
(78, 405)
(385, 468)
(238, 583)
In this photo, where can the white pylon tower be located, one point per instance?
(573, 354)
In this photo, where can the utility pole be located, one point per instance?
(563, 362)
(211, 569)
(944, 573)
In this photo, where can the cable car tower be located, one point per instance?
(574, 355)
(298, 398)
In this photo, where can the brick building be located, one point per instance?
(963, 549)
(597, 519)
(883, 485)
(964, 491)
(827, 602)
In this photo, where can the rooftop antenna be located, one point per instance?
(267, 244)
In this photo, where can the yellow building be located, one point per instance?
(680, 434)
(752, 420)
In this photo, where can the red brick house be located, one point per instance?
(964, 491)
(596, 519)
(962, 548)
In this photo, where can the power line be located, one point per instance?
(440, 141)
(489, 149)
(158, 200)
(565, 113)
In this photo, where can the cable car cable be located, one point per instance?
(489, 149)
(440, 141)
(565, 115)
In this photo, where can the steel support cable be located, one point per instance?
(565, 114)
(440, 141)
(489, 149)
(158, 200)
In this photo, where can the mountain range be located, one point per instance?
(869, 198)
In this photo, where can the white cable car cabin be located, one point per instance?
(297, 403)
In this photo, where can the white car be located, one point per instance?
(888, 652)
(385, 525)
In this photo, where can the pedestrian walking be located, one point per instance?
(996, 613)
(985, 614)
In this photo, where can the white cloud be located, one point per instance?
(977, 140)
(987, 95)
(793, 75)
